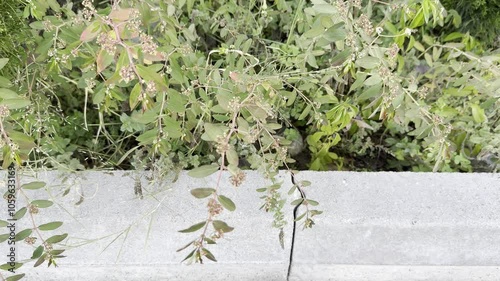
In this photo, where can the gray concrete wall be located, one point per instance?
(375, 226)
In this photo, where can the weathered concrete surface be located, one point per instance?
(401, 226)
(375, 226)
(394, 273)
(146, 231)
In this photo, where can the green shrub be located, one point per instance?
(13, 35)
(222, 86)
(480, 18)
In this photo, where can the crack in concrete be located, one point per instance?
(290, 260)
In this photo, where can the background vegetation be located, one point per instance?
(404, 85)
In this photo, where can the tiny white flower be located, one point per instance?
(407, 32)
(379, 30)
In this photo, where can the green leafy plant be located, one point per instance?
(224, 86)
(480, 18)
(16, 145)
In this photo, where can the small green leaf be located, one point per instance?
(321, 7)
(478, 113)
(209, 241)
(373, 80)
(315, 212)
(4, 82)
(297, 202)
(314, 32)
(368, 62)
(103, 60)
(37, 252)
(232, 156)
(23, 234)
(312, 202)
(263, 189)
(341, 57)
(371, 92)
(202, 192)
(452, 36)
(20, 213)
(418, 20)
(149, 74)
(7, 266)
(213, 131)
(40, 260)
(335, 33)
(300, 217)
(305, 112)
(185, 246)
(3, 223)
(57, 238)
(194, 227)
(42, 203)
(189, 255)
(203, 171)
(3, 62)
(148, 137)
(15, 103)
(226, 203)
(34, 185)
(50, 225)
(8, 94)
(91, 32)
(15, 277)
(220, 225)
(4, 237)
(209, 255)
(134, 95)
(305, 183)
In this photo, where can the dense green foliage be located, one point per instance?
(14, 31)
(305, 68)
(220, 85)
(480, 18)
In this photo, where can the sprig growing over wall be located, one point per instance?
(16, 147)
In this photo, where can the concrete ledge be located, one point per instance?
(394, 273)
(375, 226)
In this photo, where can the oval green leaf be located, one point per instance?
(42, 203)
(8, 94)
(3, 62)
(7, 266)
(194, 227)
(34, 185)
(226, 203)
(220, 225)
(297, 202)
(50, 225)
(209, 255)
(202, 192)
(56, 252)
(203, 171)
(4, 237)
(37, 252)
(19, 214)
(15, 103)
(312, 202)
(40, 260)
(15, 277)
(23, 234)
(57, 238)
